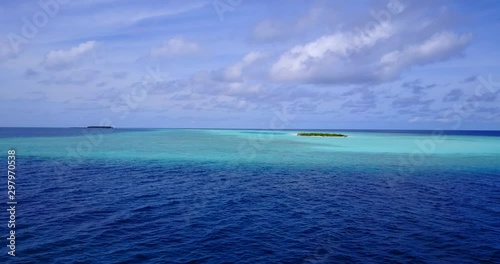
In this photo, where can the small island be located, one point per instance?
(107, 127)
(321, 135)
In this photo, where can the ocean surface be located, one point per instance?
(252, 196)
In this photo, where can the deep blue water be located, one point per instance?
(354, 209)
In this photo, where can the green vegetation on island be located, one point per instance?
(107, 127)
(321, 135)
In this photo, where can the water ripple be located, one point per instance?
(126, 212)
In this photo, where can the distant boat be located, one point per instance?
(107, 127)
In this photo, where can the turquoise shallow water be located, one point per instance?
(405, 151)
(255, 196)
(246, 145)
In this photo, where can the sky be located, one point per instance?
(388, 64)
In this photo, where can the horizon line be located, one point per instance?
(219, 128)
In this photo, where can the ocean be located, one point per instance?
(251, 196)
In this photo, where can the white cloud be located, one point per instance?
(307, 62)
(114, 14)
(361, 57)
(235, 71)
(175, 47)
(415, 119)
(440, 46)
(61, 59)
(134, 16)
(204, 83)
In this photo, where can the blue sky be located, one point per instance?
(251, 64)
